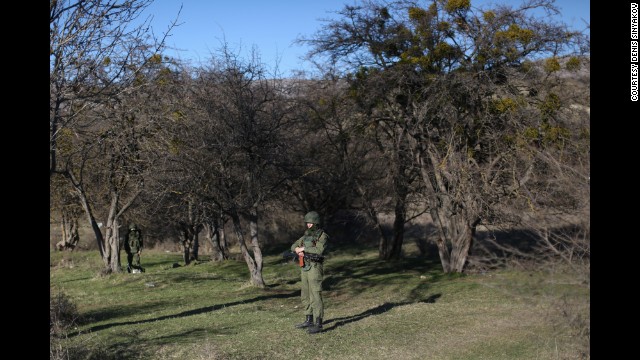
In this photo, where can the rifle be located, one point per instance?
(308, 256)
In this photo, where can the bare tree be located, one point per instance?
(442, 85)
(98, 54)
(482, 97)
(111, 168)
(337, 166)
(221, 144)
(91, 58)
(243, 120)
(359, 43)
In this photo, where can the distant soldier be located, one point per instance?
(133, 247)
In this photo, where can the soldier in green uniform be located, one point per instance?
(314, 241)
(133, 247)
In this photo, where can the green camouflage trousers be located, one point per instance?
(312, 290)
(133, 259)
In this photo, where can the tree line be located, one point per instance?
(470, 115)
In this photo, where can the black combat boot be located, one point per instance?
(317, 327)
(308, 322)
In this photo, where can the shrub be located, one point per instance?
(63, 314)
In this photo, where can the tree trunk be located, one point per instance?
(224, 244)
(112, 245)
(398, 229)
(188, 235)
(186, 250)
(69, 229)
(196, 248)
(462, 246)
(212, 232)
(189, 230)
(92, 220)
(373, 215)
(450, 220)
(457, 230)
(256, 274)
(460, 250)
(254, 270)
(112, 236)
(110, 251)
(441, 242)
(383, 242)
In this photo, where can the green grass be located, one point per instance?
(373, 310)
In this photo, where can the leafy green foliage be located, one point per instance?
(552, 65)
(573, 64)
(550, 105)
(505, 105)
(457, 5)
(155, 59)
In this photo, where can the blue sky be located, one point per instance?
(271, 26)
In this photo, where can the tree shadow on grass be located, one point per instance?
(131, 347)
(375, 311)
(190, 312)
(111, 312)
(368, 271)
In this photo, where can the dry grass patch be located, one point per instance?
(373, 310)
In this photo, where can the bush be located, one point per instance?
(63, 314)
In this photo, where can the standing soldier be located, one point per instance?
(314, 241)
(133, 247)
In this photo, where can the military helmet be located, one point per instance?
(133, 226)
(312, 217)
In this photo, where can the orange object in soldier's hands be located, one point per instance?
(301, 259)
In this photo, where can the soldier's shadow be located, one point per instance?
(337, 322)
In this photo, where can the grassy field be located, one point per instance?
(373, 310)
